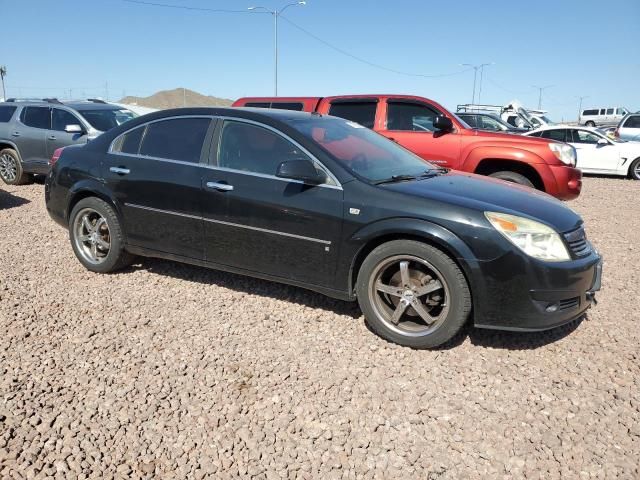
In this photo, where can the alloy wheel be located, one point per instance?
(92, 236)
(8, 167)
(409, 295)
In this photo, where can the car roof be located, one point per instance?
(75, 105)
(92, 106)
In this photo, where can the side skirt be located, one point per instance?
(145, 252)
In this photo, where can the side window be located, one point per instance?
(258, 104)
(609, 111)
(621, 111)
(558, 134)
(251, 148)
(536, 134)
(176, 139)
(632, 122)
(490, 123)
(61, 118)
(602, 110)
(297, 106)
(363, 113)
(470, 120)
(410, 117)
(590, 112)
(582, 136)
(6, 112)
(36, 117)
(129, 142)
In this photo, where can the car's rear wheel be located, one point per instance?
(513, 177)
(634, 169)
(11, 168)
(413, 294)
(96, 236)
(590, 124)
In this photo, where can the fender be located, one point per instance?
(12, 145)
(433, 233)
(94, 187)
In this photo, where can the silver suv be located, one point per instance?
(629, 128)
(31, 130)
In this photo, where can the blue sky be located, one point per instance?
(582, 48)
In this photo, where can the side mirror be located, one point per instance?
(73, 129)
(443, 123)
(302, 170)
(603, 141)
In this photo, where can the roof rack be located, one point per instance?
(96, 100)
(41, 100)
(472, 107)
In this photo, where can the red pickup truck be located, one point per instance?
(435, 134)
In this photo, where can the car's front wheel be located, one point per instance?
(96, 236)
(11, 168)
(513, 177)
(413, 294)
(634, 169)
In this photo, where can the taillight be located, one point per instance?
(56, 155)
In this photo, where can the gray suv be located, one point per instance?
(31, 130)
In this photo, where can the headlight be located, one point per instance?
(533, 238)
(564, 152)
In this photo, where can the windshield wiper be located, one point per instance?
(396, 178)
(432, 172)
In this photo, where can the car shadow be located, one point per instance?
(246, 284)
(8, 200)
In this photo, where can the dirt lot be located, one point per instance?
(172, 371)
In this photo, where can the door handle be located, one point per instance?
(52, 137)
(120, 170)
(221, 187)
(15, 134)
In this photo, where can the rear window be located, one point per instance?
(176, 139)
(129, 142)
(36, 117)
(590, 112)
(6, 112)
(632, 122)
(297, 106)
(258, 104)
(363, 113)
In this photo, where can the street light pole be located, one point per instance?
(540, 89)
(580, 107)
(475, 76)
(276, 14)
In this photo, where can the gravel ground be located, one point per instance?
(172, 371)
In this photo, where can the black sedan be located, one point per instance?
(325, 204)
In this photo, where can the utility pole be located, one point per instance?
(475, 76)
(3, 73)
(276, 14)
(580, 107)
(540, 90)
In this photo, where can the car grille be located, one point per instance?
(578, 243)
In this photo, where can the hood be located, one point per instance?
(480, 193)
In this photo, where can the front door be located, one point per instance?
(29, 134)
(258, 222)
(58, 137)
(156, 172)
(594, 156)
(411, 125)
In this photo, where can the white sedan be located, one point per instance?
(596, 152)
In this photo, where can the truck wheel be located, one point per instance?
(11, 168)
(590, 124)
(513, 177)
(634, 169)
(413, 294)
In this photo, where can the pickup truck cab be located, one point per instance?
(432, 132)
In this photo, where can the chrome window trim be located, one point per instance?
(337, 186)
(231, 224)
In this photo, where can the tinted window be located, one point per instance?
(536, 134)
(363, 113)
(470, 120)
(254, 149)
(410, 117)
(582, 136)
(632, 122)
(287, 106)
(602, 111)
(258, 104)
(129, 142)
(558, 135)
(609, 111)
(6, 112)
(61, 118)
(176, 139)
(590, 112)
(37, 117)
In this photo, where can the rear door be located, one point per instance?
(29, 134)
(156, 172)
(410, 123)
(57, 137)
(258, 222)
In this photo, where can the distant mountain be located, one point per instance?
(178, 97)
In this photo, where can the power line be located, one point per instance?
(367, 62)
(186, 7)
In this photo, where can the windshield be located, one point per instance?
(104, 120)
(362, 151)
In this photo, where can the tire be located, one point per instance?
(590, 124)
(634, 169)
(435, 284)
(514, 177)
(11, 168)
(96, 236)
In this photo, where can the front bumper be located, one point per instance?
(568, 182)
(524, 294)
